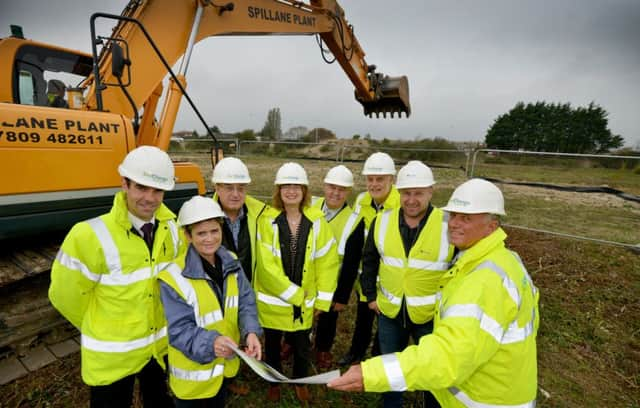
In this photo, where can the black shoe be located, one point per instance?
(349, 359)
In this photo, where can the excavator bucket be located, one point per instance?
(393, 97)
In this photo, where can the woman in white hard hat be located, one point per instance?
(297, 272)
(209, 305)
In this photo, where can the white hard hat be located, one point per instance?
(149, 166)
(197, 209)
(476, 196)
(231, 171)
(414, 174)
(379, 163)
(291, 173)
(340, 176)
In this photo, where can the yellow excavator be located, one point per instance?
(60, 143)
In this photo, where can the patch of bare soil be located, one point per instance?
(595, 199)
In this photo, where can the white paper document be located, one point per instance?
(269, 373)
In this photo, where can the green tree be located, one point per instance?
(553, 128)
(319, 135)
(247, 134)
(272, 129)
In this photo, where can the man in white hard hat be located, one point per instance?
(103, 281)
(348, 230)
(401, 281)
(241, 214)
(241, 211)
(482, 352)
(379, 170)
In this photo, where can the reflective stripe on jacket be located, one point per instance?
(415, 278)
(190, 379)
(368, 213)
(276, 294)
(342, 225)
(103, 281)
(482, 352)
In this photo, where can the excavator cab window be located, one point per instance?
(27, 87)
(35, 66)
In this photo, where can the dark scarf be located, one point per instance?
(292, 249)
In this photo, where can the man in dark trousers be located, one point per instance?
(401, 281)
(103, 281)
(348, 230)
(241, 213)
(379, 170)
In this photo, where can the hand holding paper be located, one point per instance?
(349, 381)
(254, 348)
(268, 373)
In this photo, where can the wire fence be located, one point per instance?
(578, 196)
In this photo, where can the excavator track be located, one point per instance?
(27, 318)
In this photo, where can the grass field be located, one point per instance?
(589, 338)
(593, 215)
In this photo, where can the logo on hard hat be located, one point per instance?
(155, 177)
(457, 201)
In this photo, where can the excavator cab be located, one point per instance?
(391, 96)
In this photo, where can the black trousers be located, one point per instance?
(362, 333)
(326, 330)
(217, 401)
(301, 346)
(153, 388)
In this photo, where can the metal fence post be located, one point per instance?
(473, 163)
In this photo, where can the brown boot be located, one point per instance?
(273, 394)
(303, 394)
(324, 359)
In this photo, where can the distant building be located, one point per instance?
(182, 134)
(191, 134)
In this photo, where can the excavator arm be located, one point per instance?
(176, 26)
(376, 92)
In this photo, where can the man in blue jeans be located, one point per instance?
(408, 275)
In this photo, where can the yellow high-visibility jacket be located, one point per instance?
(255, 208)
(275, 293)
(415, 278)
(363, 205)
(190, 379)
(482, 352)
(342, 224)
(368, 213)
(103, 281)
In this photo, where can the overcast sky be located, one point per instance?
(468, 62)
